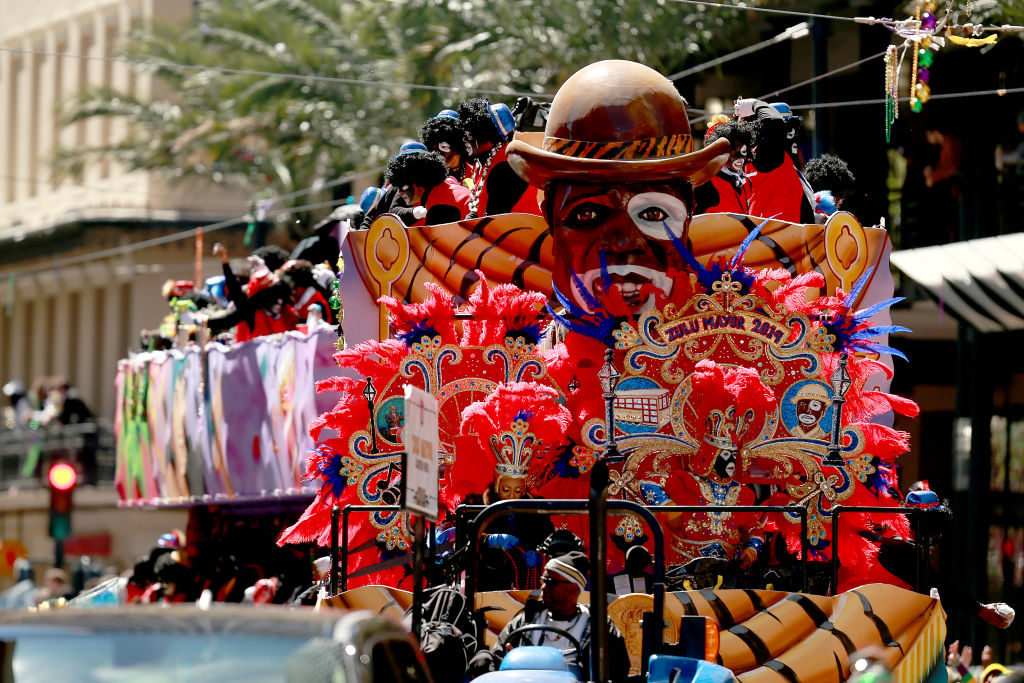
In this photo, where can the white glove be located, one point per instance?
(743, 108)
(419, 212)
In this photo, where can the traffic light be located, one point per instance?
(63, 478)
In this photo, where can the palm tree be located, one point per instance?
(342, 106)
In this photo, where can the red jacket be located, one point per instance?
(265, 324)
(719, 195)
(443, 202)
(779, 193)
(504, 191)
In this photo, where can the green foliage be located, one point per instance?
(269, 132)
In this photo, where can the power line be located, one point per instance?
(156, 241)
(833, 72)
(288, 76)
(792, 33)
(768, 10)
(940, 96)
(776, 93)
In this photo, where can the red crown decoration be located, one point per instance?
(733, 403)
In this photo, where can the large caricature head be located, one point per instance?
(618, 171)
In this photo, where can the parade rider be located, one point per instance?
(563, 580)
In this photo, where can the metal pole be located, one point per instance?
(417, 576)
(58, 553)
(344, 548)
(599, 667)
(335, 514)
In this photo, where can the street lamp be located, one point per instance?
(370, 392)
(609, 377)
(841, 383)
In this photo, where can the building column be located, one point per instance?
(110, 352)
(7, 98)
(61, 334)
(89, 337)
(97, 127)
(71, 80)
(24, 124)
(49, 95)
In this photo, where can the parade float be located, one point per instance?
(621, 359)
(620, 369)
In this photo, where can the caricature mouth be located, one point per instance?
(629, 281)
(807, 419)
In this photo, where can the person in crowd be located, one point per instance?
(563, 579)
(496, 187)
(265, 306)
(828, 173)
(19, 412)
(444, 134)
(778, 189)
(420, 179)
(306, 291)
(72, 408)
(22, 593)
(729, 190)
(272, 256)
(55, 586)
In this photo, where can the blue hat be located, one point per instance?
(369, 198)
(783, 109)
(501, 117)
(410, 147)
(169, 540)
(448, 114)
(923, 499)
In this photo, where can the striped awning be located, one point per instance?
(980, 282)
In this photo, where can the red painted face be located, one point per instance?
(631, 223)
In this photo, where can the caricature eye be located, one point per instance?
(587, 214)
(653, 213)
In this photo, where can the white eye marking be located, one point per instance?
(652, 212)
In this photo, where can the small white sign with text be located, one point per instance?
(421, 448)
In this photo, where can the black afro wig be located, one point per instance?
(829, 172)
(442, 129)
(416, 168)
(734, 131)
(476, 118)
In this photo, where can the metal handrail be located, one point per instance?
(345, 511)
(465, 510)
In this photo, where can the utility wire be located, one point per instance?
(833, 72)
(792, 33)
(156, 241)
(940, 96)
(776, 93)
(768, 10)
(287, 76)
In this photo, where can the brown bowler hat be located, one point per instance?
(617, 120)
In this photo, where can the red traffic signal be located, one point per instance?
(63, 476)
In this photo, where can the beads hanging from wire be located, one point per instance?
(892, 110)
